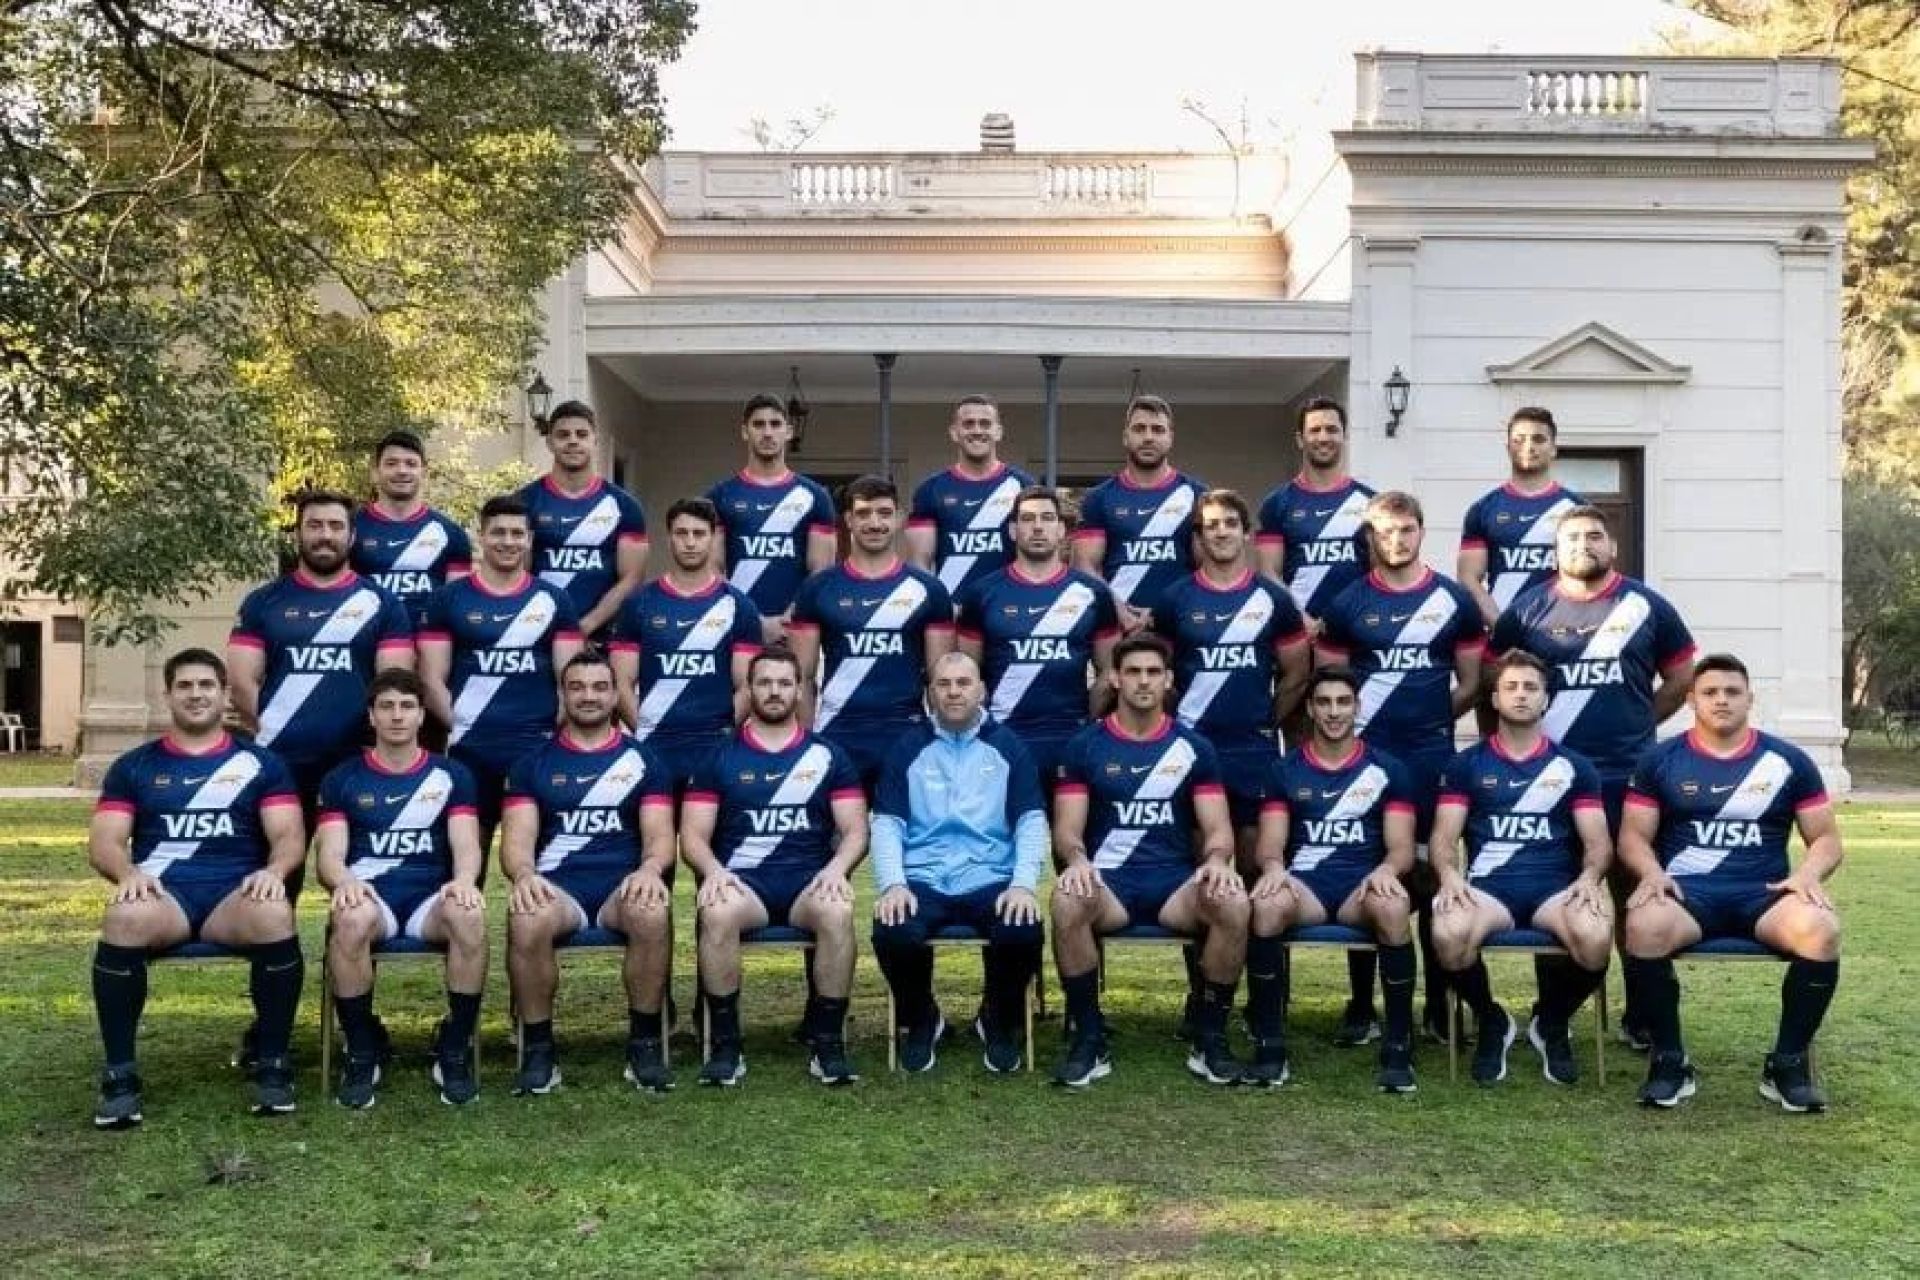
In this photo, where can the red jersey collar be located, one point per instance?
(524, 581)
(373, 512)
(1513, 490)
(1238, 584)
(1128, 482)
(571, 743)
(1301, 481)
(999, 469)
(599, 483)
(346, 579)
(711, 585)
(1380, 584)
(747, 477)
(1540, 748)
(375, 763)
(752, 739)
(1609, 586)
(891, 571)
(1114, 727)
(1014, 572)
(1333, 766)
(1745, 749)
(171, 745)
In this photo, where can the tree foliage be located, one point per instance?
(241, 239)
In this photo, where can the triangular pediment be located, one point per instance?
(1591, 353)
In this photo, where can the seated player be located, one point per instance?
(959, 837)
(588, 840)
(1336, 837)
(772, 824)
(1136, 789)
(198, 833)
(1532, 817)
(399, 846)
(1708, 818)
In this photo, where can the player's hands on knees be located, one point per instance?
(1588, 893)
(1653, 888)
(1081, 880)
(1017, 906)
(830, 886)
(137, 887)
(1454, 895)
(463, 893)
(1806, 888)
(1381, 882)
(895, 905)
(718, 888)
(1218, 879)
(1274, 884)
(263, 886)
(348, 894)
(531, 894)
(644, 888)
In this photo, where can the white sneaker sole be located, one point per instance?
(1539, 1043)
(627, 1074)
(728, 1082)
(1101, 1069)
(933, 1054)
(1506, 1049)
(1773, 1095)
(553, 1082)
(1688, 1088)
(832, 1082)
(1197, 1067)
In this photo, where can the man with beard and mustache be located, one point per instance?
(1136, 529)
(1313, 535)
(776, 525)
(405, 545)
(1416, 640)
(1506, 540)
(587, 839)
(772, 824)
(957, 526)
(1619, 659)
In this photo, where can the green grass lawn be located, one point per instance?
(36, 769)
(957, 1173)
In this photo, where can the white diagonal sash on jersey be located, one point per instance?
(607, 792)
(1166, 522)
(1167, 776)
(423, 549)
(422, 809)
(352, 616)
(1549, 786)
(784, 518)
(602, 519)
(893, 612)
(1433, 613)
(219, 791)
(527, 627)
(1340, 527)
(704, 636)
(806, 776)
(1507, 585)
(1019, 676)
(1748, 801)
(1253, 614)
(993, 514)
(1361, 795)
(1622, 623)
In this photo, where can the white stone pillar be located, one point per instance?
(1388, 267)
(121, 682)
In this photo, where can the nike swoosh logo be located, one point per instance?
(1720, 791)
(684, 625)
(1223, 617)
(1324, 514)
(868, 604)
(775, 777)
(395, 799)
(502, 617)
(1398, 617)
(318, 613)
(765, 506)
(584, 777)
(1330, 795)
(1516, 785)
(1586, 631)
(1038, 608)
(1139, 768)
(194, 782)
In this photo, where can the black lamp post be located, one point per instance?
(1398, 390)
(539, 401)
(798, 410)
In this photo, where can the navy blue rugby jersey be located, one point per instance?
(589, 800)
(1403, 644)
(1149, 533)
(766, 524)
(1140, 792)
(196, 816)
(577, 537)
(873, 636)
(1516, 530)
(1520, 809)
(1225, 643)
(398, 819)
(775, 800)
(411, 556)
(1322, 534)
(1036, 641)
(1728, 817)
(969, 518)
(502, 677)
(1336, 810)
(686, 643)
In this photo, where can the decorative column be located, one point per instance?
(1050, 367)
(1384, 463)
(884, 364)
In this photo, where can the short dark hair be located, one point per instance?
(778, 652)
(1395, 502)
(1152, 404)
(1534, 413)
(868, 489)
(1143, 642)
(591, 656)
(1338, 673)
(1315, 405)
(1040, 493)
(1719, 662)
(503, 504)
(699, 508)
(1585, 511)
(1520, 658)
(396, 680)
(976, 398)
(408, 440)
(323, 498)
(192, 658)
(762, 400)
(573, 409)
(1223, 498)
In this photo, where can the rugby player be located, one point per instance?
(1313, 535)
(957, 526)
(1135, 790)
(1135, 531)
(404, 545)
(1709, 816)
(773, 823)
(199, 834)
(777, 525)
(1507, 537)
(1530, 814)
(589, 536)
(399, 846)
(1336, 839)
(588, 840)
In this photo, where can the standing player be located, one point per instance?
(404, 545)
(306, 646)
(198, 834)
(1530, 814)
(589, 536)
(773, 823)
(1336, 839)
(881, 623)
(1507, 538)
(1416, 641)
(777, 525)
(1619, 657)
(1034, 628)
(399, 847)
(681, 645)
(588, 840)
(1136, 529)
(958, 524)
(1313, 533)
(1709, 816)
(1139, 796)
(490, 656)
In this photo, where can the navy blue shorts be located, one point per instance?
(1243, 770)
(1521, 895)
(1729, 908)
(198, 897)
(404, 898)
(1334, 881)
(937, 910)
(778, 888)
(1144, 891)
(589, 887)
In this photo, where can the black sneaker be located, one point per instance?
(1189, 1028)
(119, 1106)
(1633, 1036)
(1433, 1021)
(1212, 1060)
(1004, 1053)
(1490, 1050)
(1396, 1069)
(1670, 1080)
(1270, 1068)
(830, 1064)
(1086, 1061)
(359, 1077)
(452, 1072)
(1788, 1080)
(272, 1087)
(1358, 1026)
(647, 1068)
(919, 1045)
(1557, 1062)
(539, 1071)
(725, 1066)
